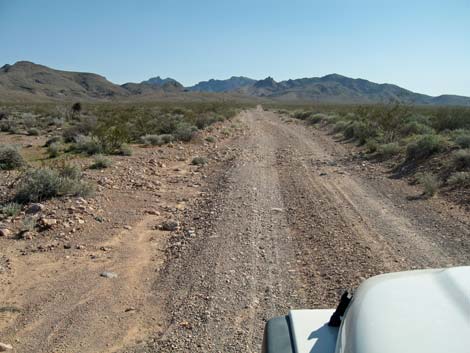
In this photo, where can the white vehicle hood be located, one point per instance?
(409, 312)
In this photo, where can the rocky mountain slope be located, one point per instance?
(232, 84)
(25, 80)
(336, 88)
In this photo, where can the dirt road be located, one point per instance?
(286, 218)
(293, 222)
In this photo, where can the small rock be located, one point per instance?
(169, 225)
(108, 274)
(35, 208)
(128, 227)
(152, 212)
(323, 174)
(5, 347)
(5, 232)
(47, 222)
(67, 246)
(276, 209)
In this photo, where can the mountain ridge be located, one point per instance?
(26, 80)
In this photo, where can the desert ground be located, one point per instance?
(173, 257)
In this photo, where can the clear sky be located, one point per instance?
(420, 45)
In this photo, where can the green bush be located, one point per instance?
(430, 183)
(84, 127)
(459, 178)
(302, 115)
(54, 139)
(463, 140)
(372, 145)
(125, 150)
(199, 161)
(70, 171)
(184, 132)
(157, 140)
(461, 159)
(44, 183)
(340, 126)
(452, 119)
(416, 128)
(10, 209)
(10, 158)
(425, 146)
(53, 150)
(33, 131)
(100, 162)
(388, 150)
(315, 118)
(210, 139)
(88, 145)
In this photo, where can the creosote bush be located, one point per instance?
(10, 209)
(430, 184)
(459, 179)
(388, 150)
(463, 139)
(10, 158)
(53, 150)
(461, 159)
(425, 146)
(44, 183)
(100, 162)
(199, 161)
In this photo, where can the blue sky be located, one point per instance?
(420, 45)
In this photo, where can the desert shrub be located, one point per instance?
(33, 131)
(111, 138)
(424, 146)
(361, 131)
(452, 119)
(463, 139)
(184, 131)
(53, 150)
(44, 183)
(340, 126)
(430, 183)
(372, 145)
(10, 209)
(157, 140)
(210, 139)
(204, 121)
(461, 159)
(70, 171)
(301, 115)
(84, 127)
(124, 150)
(88, 145)
(54, 139)
(388, 150)
(10, 158)
(459, 178)
(416, 128)
(100, 162)
(315, 118)
(152, 140)
(10, 126)
(199, 161)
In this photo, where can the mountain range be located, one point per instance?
(25, 80)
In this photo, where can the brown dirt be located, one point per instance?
(284, 218)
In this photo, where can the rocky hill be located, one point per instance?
(232, 84)
(25, 80)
